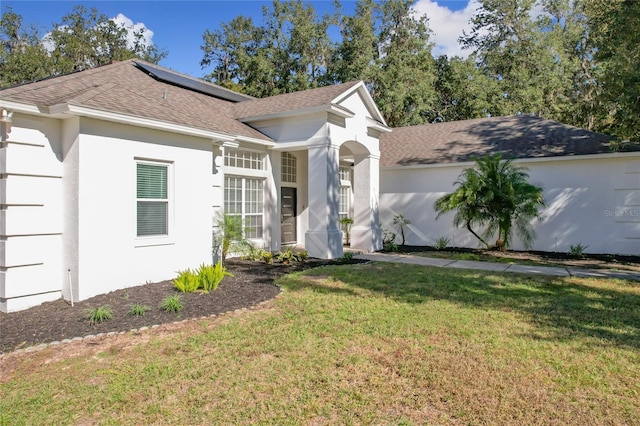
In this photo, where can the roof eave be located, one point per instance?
(333, 109)
(371, 105)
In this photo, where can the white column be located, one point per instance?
(323, 239)
(366, 233)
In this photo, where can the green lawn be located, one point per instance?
(365, 344)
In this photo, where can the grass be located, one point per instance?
(365, 344)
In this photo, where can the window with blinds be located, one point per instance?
(152, 199)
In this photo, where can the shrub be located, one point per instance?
(286, 256)
(346, 257)
(99, 314)
(249, 251)
(389, 241)
(187, 281)
(171, 304)
(267, 257)
(138, 310)
(302, 256)
(577, 250)
(442, 243)
(210, 276)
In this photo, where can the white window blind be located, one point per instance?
(152, 199)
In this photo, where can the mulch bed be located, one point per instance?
(251, 283)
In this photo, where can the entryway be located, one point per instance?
(288, 203)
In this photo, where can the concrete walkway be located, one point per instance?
(500, 267)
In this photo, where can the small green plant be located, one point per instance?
(286, 256)
(249, 251)
(577, 250)
(138, 310)
(230, 230)
(267, 257)
(389, 240)
(346, 257)
(401, 221)
(302, 256)
(99, 314)
(210, 276)
(442, 243)
(187, 281)
(171, 303)
(346, 223)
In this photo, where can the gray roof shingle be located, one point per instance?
(125, 88)
(290, 101)
(515, 136)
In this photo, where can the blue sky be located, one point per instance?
(177, 26)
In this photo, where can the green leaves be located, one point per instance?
(494, 194)
(206, 278)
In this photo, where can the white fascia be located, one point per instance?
(216, 137)
(20, 107)
(368, 100)
(334, 109)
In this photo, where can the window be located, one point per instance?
(344, 201)
(344, 194)
(152, 199)
(243, 197)
(288, 171)
(244, 159)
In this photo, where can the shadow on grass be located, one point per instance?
(563, 307)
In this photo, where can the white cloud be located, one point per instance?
(132, 28)
(447, 25)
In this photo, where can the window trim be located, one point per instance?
(243, 201)
(157, 239)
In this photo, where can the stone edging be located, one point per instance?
(91, 337)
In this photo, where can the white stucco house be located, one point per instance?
(116, 176)
(592, 194)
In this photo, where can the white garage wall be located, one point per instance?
(591, 200)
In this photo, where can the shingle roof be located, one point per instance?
(291, 101)
(125, 88)
(515, 136)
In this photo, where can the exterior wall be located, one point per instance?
(318, 139)
(30, 213)
(593, 201)
(111, 256)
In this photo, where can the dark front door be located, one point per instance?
(288, 215)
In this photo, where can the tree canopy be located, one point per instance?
(575, 61)
(83, 39)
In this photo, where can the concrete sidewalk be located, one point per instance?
(499, 267)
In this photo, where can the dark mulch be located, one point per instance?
(252, 283)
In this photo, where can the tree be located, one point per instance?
(495, 194)
(615, 26)
(23, 58)
(85, 39)
(404, 72)
(287, 54)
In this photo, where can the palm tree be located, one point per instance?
(495, 193)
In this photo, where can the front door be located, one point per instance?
(288, 215)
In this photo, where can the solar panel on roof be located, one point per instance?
(193, 84)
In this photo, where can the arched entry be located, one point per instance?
(359, 179)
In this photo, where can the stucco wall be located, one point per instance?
(593, 201)
(30, 213)
(111, 256)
